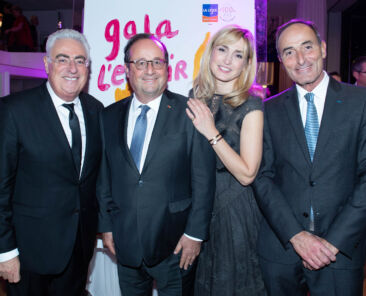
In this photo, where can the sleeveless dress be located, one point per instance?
(228, 264)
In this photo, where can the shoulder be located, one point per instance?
(25, 97)
(91, 101)
(278, 99)
(176, 99)
(117, 106)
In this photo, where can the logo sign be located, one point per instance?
(210, 13)
(227, 13)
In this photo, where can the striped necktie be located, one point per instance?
(311, 133)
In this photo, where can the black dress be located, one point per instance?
(228, 264)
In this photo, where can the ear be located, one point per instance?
(127, 71)
(323, 47)
(355, 74)
(46, 64)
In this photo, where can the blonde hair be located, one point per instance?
(204, 84)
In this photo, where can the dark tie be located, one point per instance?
(76, 136)
(138, 137)
(311, 133)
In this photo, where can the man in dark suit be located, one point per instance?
(50, 150)
(312, 182)
(157, 180)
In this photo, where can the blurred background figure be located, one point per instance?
(336, 76)
(7, 23)
(20, 38)
(359, 71)
(34, 32)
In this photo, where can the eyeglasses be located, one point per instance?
(141, 64)
(66, 61)
(363, 72)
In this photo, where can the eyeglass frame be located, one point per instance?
(164, 62)
(68, 64)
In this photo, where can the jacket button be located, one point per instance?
(141, 182)
(312, 183)
(305, 214)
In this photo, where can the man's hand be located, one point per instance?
(332, 248)
(310, 248)
(190, 250)
(10, 270)
(108, 242)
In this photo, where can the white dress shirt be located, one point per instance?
(63, 115)
(151, 118)
(320, 92)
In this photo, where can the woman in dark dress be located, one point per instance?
(232, 120)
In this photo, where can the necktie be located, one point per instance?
(138, 136)
(311, 125)
(311, 133)
(76, 136)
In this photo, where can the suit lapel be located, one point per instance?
(164, 113)
(122, 134)
(333, 110)
(293, 112)
(53, 123)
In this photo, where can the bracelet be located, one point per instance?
(215, 140)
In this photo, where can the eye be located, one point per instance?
(308, 47)
(239, 56)
(221, 49)
(80, 61)
(288, 53)
(62, 60)
(141, 63)
(158, 62)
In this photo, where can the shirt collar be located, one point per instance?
(319, 91)
(154, 104)
(57, 101)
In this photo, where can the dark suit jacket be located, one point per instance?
(335, 183)
(42, 199)
(149, 212)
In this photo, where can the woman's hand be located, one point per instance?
(202, 118)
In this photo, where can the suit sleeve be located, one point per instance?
(8, 171)
(270, 199)
(103, 190)
(349, 227)
(203, 187)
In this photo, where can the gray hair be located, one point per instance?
(67, 34)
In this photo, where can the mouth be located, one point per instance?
(71, 78)
(304, 68)
(224, 69)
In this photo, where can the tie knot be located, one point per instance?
(309, 97)
(144, 109)
(70, 107)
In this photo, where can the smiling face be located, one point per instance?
(302, 55)
(226, 64)
(68, 80)
(147, 84)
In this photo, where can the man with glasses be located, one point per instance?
(359, 71)
(50, 150)
(157, 183)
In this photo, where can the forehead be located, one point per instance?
(235, 44)
(146, 48)
(70, 47)
(296, 34)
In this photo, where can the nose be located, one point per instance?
(149, 67)
(72, 66)
(300, 57)
(227, 59)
